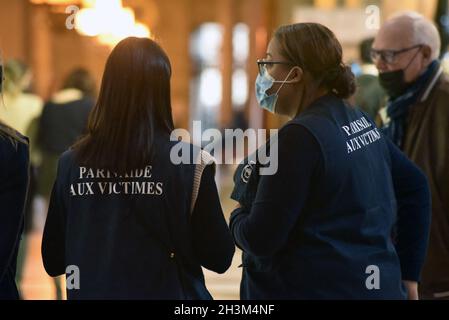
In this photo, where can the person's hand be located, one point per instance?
(412, 290)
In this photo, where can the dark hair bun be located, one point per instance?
(315, 48)
(341, 81)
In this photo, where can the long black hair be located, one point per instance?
(133, 105)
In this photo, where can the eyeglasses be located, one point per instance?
(262, 64)
(389, 56)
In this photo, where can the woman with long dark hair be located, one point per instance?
(125, 219)
(14, 175)
(63, 121)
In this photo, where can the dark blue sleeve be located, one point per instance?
(280, 197)
(212, 240)
(14, 173)
(414, 213)
(53, 241)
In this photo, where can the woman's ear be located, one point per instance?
(297, 75)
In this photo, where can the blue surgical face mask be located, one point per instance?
(264, 82)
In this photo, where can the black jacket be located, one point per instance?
(134, 237)
(61, 124)
(426, 143)
(14, 173)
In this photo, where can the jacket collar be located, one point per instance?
(433, 82)
(66, 96)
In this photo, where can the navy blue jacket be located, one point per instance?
(61, 124)
(14, 173)
(134, 237)
(343, 200)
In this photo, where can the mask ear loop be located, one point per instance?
(413, 59)
(285, 81)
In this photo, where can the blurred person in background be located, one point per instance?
(20, 106)
(14, 173)
(370, 96)
(63, 121)
(406, 51)
(21, 111)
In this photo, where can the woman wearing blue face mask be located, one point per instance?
(346, 215)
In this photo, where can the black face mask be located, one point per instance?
(394, 81)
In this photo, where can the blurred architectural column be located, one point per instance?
(172, 30)
(259, 18)
(13, 30)
(226, 17)
(268, 21)
(41, 48)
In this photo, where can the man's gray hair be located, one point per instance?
(424, 31)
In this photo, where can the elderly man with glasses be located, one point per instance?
(406, 51)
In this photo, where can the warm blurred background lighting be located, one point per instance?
(109, 21)
(53, 2)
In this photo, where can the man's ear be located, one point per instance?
(427, 54)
